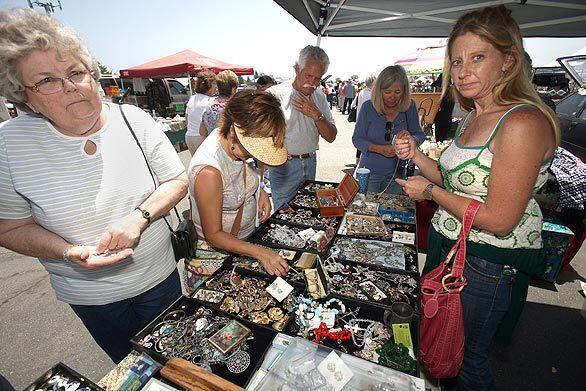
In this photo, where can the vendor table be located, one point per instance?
(177, 139)
(254, 330)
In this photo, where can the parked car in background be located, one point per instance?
(177, 94)
(571, 111)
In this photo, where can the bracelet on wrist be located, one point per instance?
(64, 256)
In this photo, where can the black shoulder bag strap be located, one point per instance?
(147, 164)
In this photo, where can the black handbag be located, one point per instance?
(184, 238)
(352, 115)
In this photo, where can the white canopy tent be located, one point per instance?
(555, 63)
(423, 18)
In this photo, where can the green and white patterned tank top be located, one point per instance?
(466, 172)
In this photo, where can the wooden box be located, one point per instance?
(333, 202)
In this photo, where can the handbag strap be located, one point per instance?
(147, 163)
(459, 262)
(238, 219)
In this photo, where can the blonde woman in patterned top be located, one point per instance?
(500, 157)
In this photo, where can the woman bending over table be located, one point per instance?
(225, 189)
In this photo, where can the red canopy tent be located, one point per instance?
(180, 64)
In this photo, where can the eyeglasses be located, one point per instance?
(389, 128)
(52, 85)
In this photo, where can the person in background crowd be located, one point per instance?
(362, 97)
(265, 82)
(500, 157)
(85, 205)
(205, 88)
(364, 94)
(349, 94)
(308, 117)
(331, 94)
(227, 83)
(389, 112)
(224, 189)
(443, 119)
(341, 86)
(158, 97)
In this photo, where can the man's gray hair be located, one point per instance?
(315, 53)
(23, 31)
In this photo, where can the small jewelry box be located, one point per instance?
(333, 202)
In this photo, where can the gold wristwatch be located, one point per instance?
(427, 192)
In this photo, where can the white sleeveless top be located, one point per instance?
(466, 172)
(211, 153)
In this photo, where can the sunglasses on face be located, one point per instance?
(389, 128)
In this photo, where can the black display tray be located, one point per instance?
(411, 262)
(62, 369)
(367, 311)
(387, 302)
(257, 237)
(258, 347)
(314, 213)
(227, 268)
(303, 189)
(243, 265)
(295, 201)
(391, 227)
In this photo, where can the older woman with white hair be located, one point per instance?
(75, 189)
(388, 113)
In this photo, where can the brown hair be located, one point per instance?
(205, 81)
(496, 26)
(258, 113)
(227, 81)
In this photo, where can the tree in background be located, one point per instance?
(354, 78)
(104, 69)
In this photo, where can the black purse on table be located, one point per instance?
(184, 238)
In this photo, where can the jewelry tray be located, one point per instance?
(367, 311)
(314, 213)
(394, 207)
(295, 279)
(310, 187)
(226, 268)
(413, 298)
(62, 369)
(257, 237)
(258, 347)
(390, 227)
(409, 252)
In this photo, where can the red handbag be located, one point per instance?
(441, 329)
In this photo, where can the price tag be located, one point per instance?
(279, 289)
(402, 335)
(335, 371)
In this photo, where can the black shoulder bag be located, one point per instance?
(184, 238)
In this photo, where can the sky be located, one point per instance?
(257, 33)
